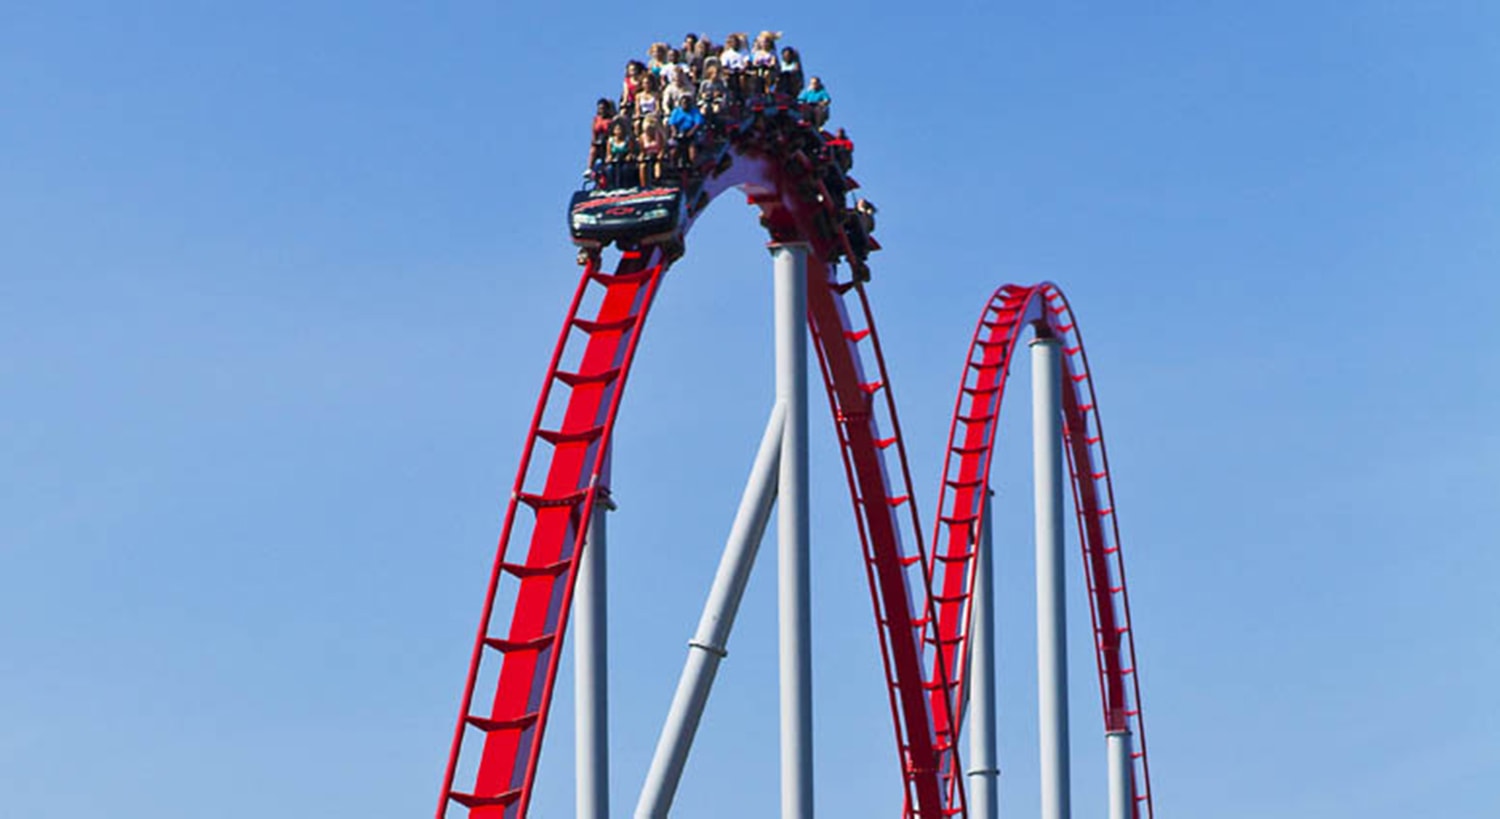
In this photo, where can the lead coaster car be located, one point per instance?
(626, 216)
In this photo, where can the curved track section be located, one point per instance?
(961, 507)
(920, 600)
(533, 585)
(560, 480)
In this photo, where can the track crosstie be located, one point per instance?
(921, 593)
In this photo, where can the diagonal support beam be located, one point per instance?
(709, 644)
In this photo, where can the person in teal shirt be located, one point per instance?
(816, 96)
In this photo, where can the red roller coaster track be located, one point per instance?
(921, 593)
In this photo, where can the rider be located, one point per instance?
(817, 98)
(687, 123)
(859, 223)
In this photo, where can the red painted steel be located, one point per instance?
(923, 640)
(924, 754)
(1010, 311)
(574, 456)
(1094, 502)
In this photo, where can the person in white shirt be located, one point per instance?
(733, 60)
(681, 87)
(671, 68)
(647, 99)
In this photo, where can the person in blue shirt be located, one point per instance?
(687, 124)
(816, 96)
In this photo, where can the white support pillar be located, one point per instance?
(710, 643)
(1121, 775)
(591, 669)
(792, 571)
(1051, 618)
(984, 766)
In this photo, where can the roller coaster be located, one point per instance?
(929, 588)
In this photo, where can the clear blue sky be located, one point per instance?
(278, 282)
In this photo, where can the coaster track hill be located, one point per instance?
(761, 133)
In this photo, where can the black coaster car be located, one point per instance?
(630, 216)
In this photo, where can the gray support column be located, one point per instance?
(792, 570)
(591, 669)
(1051, 619)
(984, 766)
(1121, 775)
(709, 643)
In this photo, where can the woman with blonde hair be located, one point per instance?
(711, 89)
(652, 142)
(763, 65)
(658, 57)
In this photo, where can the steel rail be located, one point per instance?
(1009, 312)
(920, 595)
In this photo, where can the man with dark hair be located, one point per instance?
(687, 124)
